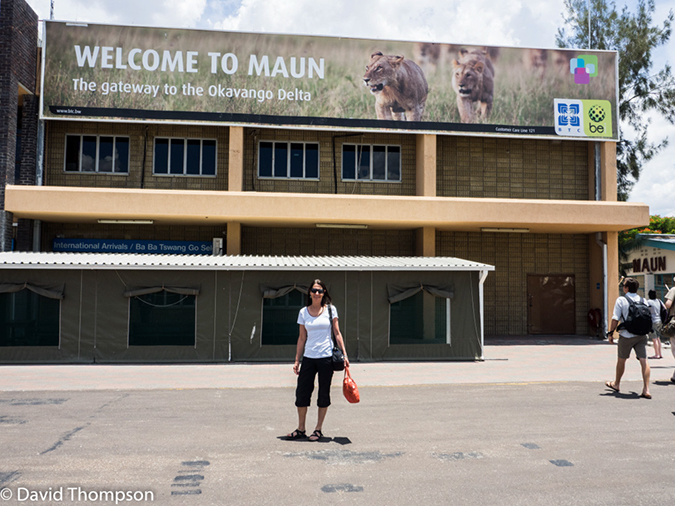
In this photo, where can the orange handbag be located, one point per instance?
(349, 388)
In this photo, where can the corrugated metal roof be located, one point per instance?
(127, 261)
(663, 241)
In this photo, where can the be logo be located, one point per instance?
(583, 118)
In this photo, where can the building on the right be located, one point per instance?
(652, 263)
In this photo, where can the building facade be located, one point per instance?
(541, 209)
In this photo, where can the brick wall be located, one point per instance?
(313, 241)
(512, 168)
(18, 64)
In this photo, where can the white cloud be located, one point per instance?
(179, 13)
(479, 22)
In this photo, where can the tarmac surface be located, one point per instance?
(532, 424)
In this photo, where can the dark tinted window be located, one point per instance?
(162, 319)
(105, 154)
(379, 162)
(122, 155)
(161, 156)
(28, 319)
(348, 162)
(193, 155)
(177, 154)
(394, 163)
(73, 153)
(297, 156)
(209, 158)
(311, 160)
(280, 160)
(88, 153)
(265, 159)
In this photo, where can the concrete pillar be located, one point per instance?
(426, 165)
(612, 239)
(425, 242)
(233, 238)
(608, 171)
(235, 168)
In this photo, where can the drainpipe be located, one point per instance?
(39, 179)
(601, 243)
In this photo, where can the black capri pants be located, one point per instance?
(308, 371)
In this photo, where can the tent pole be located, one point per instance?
(483, 277)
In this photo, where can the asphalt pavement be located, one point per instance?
(532, 424)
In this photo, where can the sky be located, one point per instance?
(529, 23)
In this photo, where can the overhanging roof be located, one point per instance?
(128, 261)
(661, 241)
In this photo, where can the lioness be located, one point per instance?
(399, 87)
(473, 81)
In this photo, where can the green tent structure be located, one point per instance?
(129, 308)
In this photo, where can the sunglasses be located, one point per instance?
(316, 290)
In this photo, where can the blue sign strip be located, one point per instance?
(133, 246)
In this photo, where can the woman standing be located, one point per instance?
(655, 310)
(315, 346)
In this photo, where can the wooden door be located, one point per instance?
(551, 305)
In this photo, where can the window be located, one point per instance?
(366, 162)
(280, 318)
(294, 160)
(97, 153)
(420, 319)
(162, 319)
(185, 157)
(29, 319)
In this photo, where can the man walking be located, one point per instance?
(628, 311)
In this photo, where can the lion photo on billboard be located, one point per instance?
(473, 81)
(399, 86)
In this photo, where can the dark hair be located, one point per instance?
(652, 294)
(326, 296)
(632, 284)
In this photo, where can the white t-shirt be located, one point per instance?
(621, 310)
(655, 310)
(319, 341)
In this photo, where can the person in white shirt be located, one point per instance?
(655, 309)
(670, 300)
(628, 341)
(315, 346)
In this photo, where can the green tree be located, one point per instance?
(628, 240)
(642, 90)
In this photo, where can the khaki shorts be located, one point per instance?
(638, 343)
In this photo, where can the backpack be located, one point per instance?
(663, 312)
(639, 319)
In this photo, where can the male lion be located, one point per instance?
(473, 80)
(399, 87)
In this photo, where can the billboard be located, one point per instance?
(129, 73)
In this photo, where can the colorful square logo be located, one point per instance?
(584, 67)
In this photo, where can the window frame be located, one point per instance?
(288, 161)
(98, 151)
(370, 179)
(448, 327)
(185, 155)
